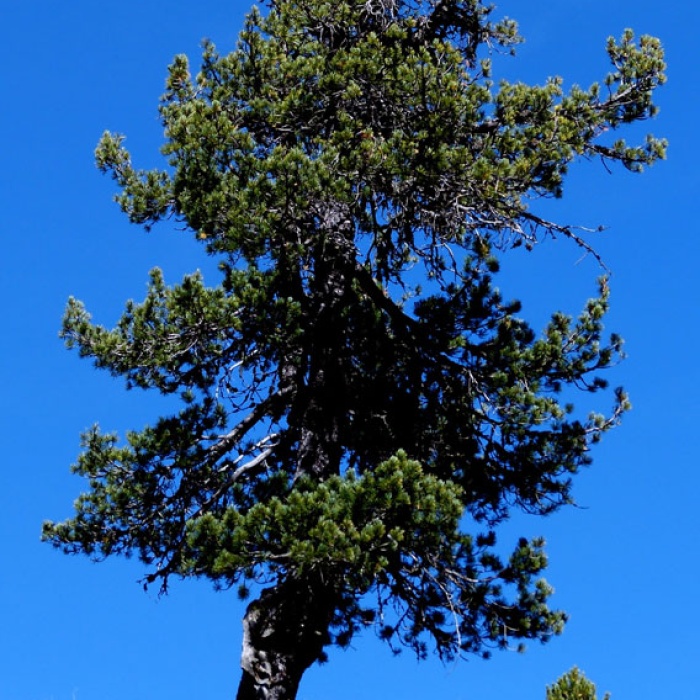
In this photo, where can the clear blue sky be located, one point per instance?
(625, 565)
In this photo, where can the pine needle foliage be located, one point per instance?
(573, 685)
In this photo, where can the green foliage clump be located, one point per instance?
(573, 685)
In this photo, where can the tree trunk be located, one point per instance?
(287, 627)
(284, 632)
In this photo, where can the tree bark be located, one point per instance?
(284, 632)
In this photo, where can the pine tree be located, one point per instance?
(360, 407)
(573, 685)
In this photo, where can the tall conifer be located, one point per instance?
(360, 407)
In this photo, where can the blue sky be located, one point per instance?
(624, 565)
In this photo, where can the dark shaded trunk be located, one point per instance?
(322, 401)
(286, 629)
(284, 632)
